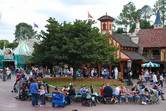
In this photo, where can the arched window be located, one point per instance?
(110, 27)
(104, 26)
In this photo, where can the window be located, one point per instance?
(145, 52)
(110, 27)
(104, 26)
(156, 54)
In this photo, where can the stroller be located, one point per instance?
(24, 95)
(87, 99)
(14, 88)
(153, 97)
(58, 99)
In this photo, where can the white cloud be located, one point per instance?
(38, 11)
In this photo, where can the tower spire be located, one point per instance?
(158, 22)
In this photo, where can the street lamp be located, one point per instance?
(129, 63)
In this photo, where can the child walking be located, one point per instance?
(42, 95)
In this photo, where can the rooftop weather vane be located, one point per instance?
(158, 4)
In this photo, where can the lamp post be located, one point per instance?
(129, 63)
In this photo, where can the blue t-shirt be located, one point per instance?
(34, 88)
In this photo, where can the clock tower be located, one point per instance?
(106, 24)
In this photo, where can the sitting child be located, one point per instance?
(56, 89)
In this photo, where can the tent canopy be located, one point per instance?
(150, 64)
(22, 49)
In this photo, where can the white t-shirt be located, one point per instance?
(154, 78)
(146, 74)
(161, 78)
(117, 90)
(42, 92)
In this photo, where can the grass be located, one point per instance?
(61, 81)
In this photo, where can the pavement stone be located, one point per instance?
(9, 103)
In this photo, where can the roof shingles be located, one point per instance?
(135, 55)
(124, 40)
(152, 37)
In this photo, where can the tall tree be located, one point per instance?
(128, 15)
(146, 12)
(143, 25)
(12, 45)
(162, 8)
(24, 31)
(74, 44)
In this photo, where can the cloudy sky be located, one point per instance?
(12, 12)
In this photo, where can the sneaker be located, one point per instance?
(41, 105)
(116, 101)
(144, 103)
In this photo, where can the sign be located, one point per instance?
(8, 54)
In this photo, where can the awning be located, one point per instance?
(135, 55)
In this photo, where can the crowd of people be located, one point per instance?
(38, 90)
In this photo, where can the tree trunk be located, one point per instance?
(74, 73)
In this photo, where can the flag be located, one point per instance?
(35, 25)
(89, 16)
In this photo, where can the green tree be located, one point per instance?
(128, 15)
(143, 25)
(74, 44)
(24, 31)
(3, 42)
(162, 8)
(146, 12)
(12, 45)
(120, 30)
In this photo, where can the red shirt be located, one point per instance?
(102, 91)
(18, 75)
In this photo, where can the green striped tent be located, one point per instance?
(22, 49)
(1, 52)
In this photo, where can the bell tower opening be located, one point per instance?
(106, 24)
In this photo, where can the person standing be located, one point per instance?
(146, 76)
(34, 91)
(130, 76)
(42, 95)
(116, 73)
(154, 79)
(4, 74)
(92, 72)
(161, 80)
(143, 75)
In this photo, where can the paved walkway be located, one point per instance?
(9, 103)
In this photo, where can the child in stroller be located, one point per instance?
(153, 97)
(87, 99)
(24, 93)
(58, 99)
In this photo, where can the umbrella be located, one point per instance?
(150, 64)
